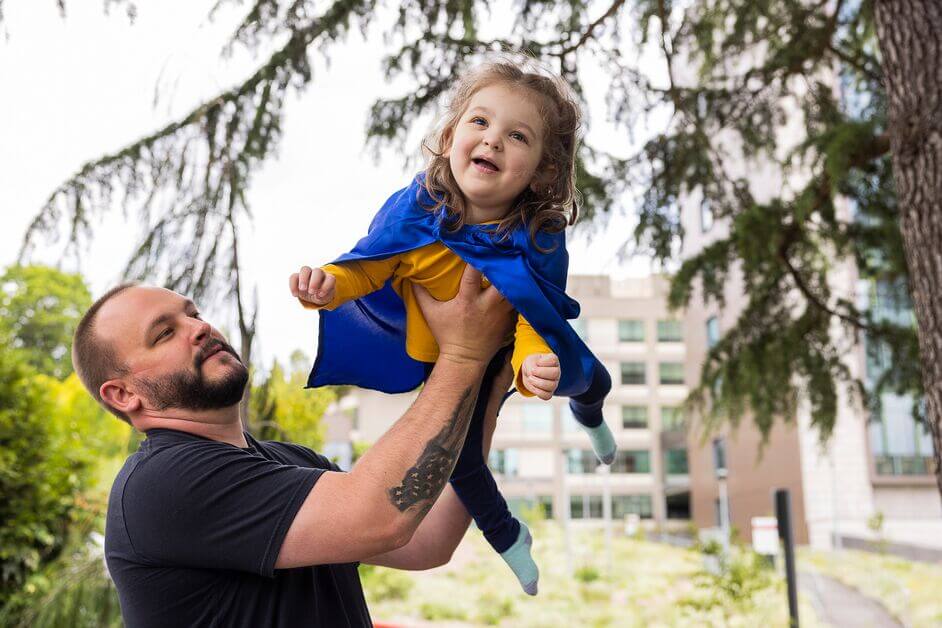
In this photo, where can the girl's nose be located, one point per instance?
(493, 143)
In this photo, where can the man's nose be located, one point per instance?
(200, 332)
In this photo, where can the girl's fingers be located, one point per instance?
(547, 359)
(304, 277)
(534, 382)
(327, 287)
(317, 278)
(293, 284)
(546, 372)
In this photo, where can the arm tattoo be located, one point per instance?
(426, 479)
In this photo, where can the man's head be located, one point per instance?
(140, 349)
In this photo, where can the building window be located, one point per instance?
(719, 456)
(581, 461)
(631, 504)
(537, 418)
(632, 373)
(900, 445)
(632, 461)
(504, 462)
(570, 424)
(669, 331)
(581, 328)
(712, 332)
(634, 417)
(575, 507)
(672, 372)
(676, 462)
(631, 331)
(672, 418)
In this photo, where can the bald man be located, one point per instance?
(208, 526)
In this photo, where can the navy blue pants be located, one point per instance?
(472, 480)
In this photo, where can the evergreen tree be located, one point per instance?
(859, 78)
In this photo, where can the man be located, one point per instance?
(207, 526)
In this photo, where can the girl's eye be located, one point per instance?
(520, 137)
(478, 121)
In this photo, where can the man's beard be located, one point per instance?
(189, 390)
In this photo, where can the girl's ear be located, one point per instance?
(447, 135)
(543, 178)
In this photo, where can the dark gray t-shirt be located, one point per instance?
(194, 528)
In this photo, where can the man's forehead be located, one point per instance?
(130, 312)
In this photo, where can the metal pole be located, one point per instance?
(724, 513)
(783, 512)
(607, 516)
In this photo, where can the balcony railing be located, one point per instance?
(903, 465)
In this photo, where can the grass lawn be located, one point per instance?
(912, 591)
(648, 584)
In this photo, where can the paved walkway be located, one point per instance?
(842, 606)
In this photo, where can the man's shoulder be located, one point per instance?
(293, 453)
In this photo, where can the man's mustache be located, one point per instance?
(210, 347)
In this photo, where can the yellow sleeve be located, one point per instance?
(526, 342)
(355, 279)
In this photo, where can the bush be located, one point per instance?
(382, 584)
(40, 475)
(433, 611)
(587, 573)
(492, 609)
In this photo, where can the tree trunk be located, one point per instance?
(910, 36)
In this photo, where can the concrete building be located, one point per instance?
(540, 456)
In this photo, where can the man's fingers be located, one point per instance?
(470, 281)
(422, 296)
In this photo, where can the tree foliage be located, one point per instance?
(282, 409)
(39, 309)
(791, 89)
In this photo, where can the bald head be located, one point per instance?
(93, 357)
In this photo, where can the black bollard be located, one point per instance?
(783, 512)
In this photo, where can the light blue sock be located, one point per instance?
(518, 558)
(603, 443)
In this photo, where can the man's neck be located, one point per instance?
(222, 425)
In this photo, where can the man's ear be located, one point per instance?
(115, 393)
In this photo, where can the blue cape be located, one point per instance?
(363, 342)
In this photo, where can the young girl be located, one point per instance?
(497, 193)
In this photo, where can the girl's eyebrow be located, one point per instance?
(516, 122)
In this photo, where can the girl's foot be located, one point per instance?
(518, 558)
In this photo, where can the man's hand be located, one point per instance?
(470, 327)
(312, 285)
(540, 374)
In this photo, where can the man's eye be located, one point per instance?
(164, 334)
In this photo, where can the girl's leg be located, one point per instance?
(587, 410)
(475, 486)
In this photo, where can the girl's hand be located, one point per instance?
(312, 285)
(541, 374)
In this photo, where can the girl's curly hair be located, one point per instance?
(550, 203)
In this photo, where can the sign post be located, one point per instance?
(784, 515)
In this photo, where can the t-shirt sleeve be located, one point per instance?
(213, 506)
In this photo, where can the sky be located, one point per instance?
(78, 87)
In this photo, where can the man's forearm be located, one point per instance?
(412, 462)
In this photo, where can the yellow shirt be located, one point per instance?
(437, 269)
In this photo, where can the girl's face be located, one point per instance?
(495, 150)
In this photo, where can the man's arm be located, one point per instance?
(441, 531)
(378, 506)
